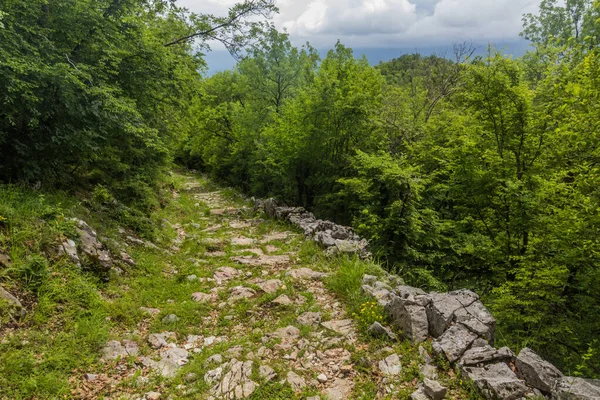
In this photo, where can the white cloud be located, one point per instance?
(381, 23)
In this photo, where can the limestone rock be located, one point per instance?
(537, 372)
(202, 297)
(496, 381)
(213, 375)
(382, 295)
(480, 356)
(157, 340)
(241, 292)
(306, 273)
(419, 394)
(15, 308)
(267, 373)
(270, 286)
(150, 311)
(5, 261)
(69, 248)
(309, 318)
(289, 332)
(410, 318)
(343, 327)
(569, 388)
(434, 390)
(225, 274)
(114, 349)
(296, 381)
(390, 366)
(441, 311)
(429, 371)
(237, 382)
(478, 319)
(340, 390)
(381, 331)
(152, 396)
(283, 300)
(454, 342)
(91, 246)
(170, 319)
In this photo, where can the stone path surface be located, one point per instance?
(255, 320)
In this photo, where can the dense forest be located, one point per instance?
(462, 171)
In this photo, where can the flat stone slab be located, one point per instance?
(241, 292)
(270, 286)
(225, 274)
(283, 300)
(340, 390)
(289, 332)
(262, 260)
(242, 241)
(480, 356)
(343, 326)
(114, 349)
(306, 273)
(309, 318)
(297, 382)
(200, 297)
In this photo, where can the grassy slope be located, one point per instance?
(75, 313)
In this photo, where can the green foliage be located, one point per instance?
(33, 272)
(477, 172)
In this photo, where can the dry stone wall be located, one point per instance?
(335, 238)
(461, 328)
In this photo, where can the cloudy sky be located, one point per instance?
(391, 24)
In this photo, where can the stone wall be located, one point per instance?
(335, 238)
(461, 328)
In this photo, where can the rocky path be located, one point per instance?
(241, 309)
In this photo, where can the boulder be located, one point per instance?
(14, 307)
(91, 246)
(536, 371)
(270, 207)
(480, 356)
(478, 319)
(382, 295)
(440, 311)
(390, 366)
(570, 388)
(69, 248)
(496, 381)
(409, 317)
(454, 342)
(381, 331)
(434, 390)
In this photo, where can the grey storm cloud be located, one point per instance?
(377, 23)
